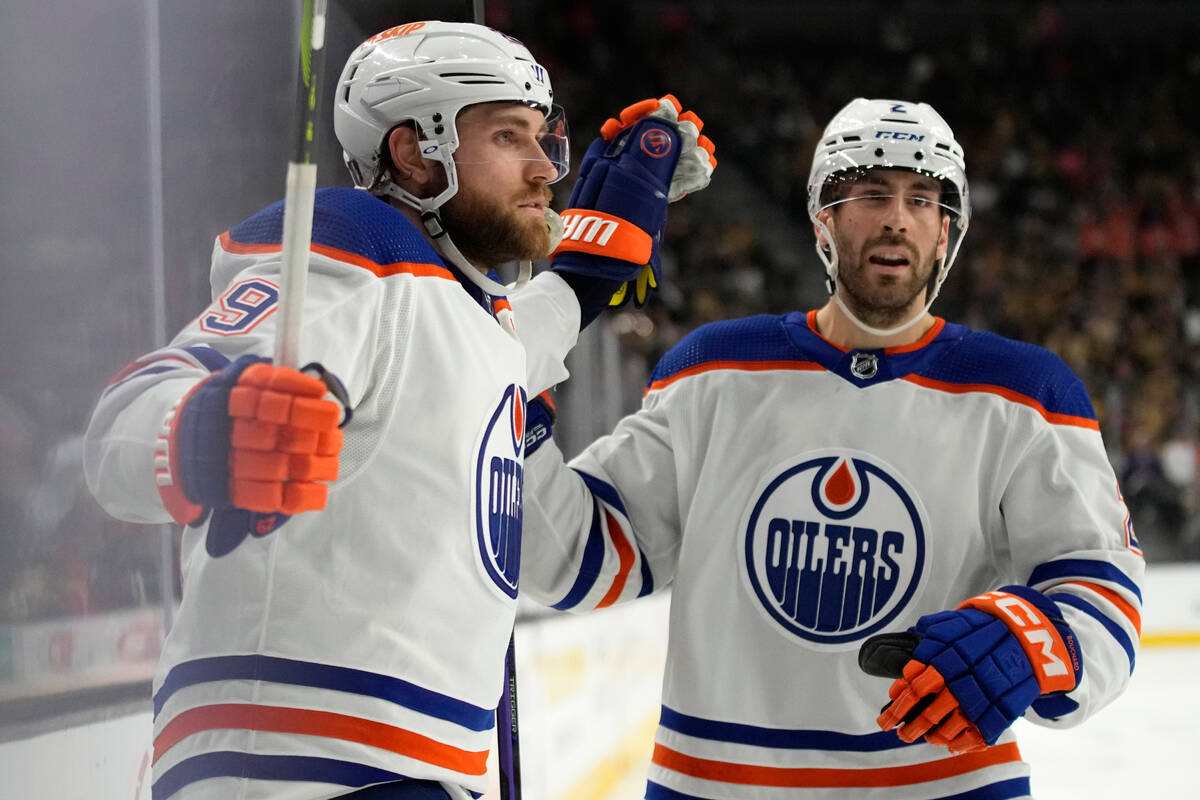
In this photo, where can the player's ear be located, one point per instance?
(825, 217)
(409, 168)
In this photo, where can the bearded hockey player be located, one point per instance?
(812, 481)
(351, 552)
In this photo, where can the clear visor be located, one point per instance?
(513, 138)
(920, 194)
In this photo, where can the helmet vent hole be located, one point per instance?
(852, 138)
(472, 78)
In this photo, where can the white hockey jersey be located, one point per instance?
(364, 643)
(801, 498)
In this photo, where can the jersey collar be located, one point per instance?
(867, 367)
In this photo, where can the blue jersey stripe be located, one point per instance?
(605, 491)
(211, 360)
(1113, 628)
(140, 374)
(783, 738)
(608, 493)
(655, 791)
(324, 676)
(1002, 790)
(589, 570)
(231, 764)
(1082, 568)
(647, 576)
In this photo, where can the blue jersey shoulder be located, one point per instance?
(982, 357)
(758, 338)
(350, 220)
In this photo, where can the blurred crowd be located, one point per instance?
(1084, 169)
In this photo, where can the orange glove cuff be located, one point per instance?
(601, 234)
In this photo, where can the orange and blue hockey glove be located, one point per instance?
(652, 155)
(966, 675)
(253, 437)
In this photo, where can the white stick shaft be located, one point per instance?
(297, 236)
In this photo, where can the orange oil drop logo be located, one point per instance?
(840, 488)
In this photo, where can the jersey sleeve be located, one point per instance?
(547, 315)
(1072, 539)
(341, 318)
(604, 528)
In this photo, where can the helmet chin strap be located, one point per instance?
(830, 259)
(428, 207)
(837, 298)
(445, 245)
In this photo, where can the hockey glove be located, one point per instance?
(539, 421)
(975, 670)
(251, 436)
(613, 227)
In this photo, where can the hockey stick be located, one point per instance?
(508, 745)
(508, 751)
(301, 186)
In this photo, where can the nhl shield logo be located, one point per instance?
(498, 487)
(864, 365)
(834, 547)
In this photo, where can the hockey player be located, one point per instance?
(811, 481)
(350, 564)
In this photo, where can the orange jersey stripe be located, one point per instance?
(230, 245)
(926, 338)
(744, 366)
(1007, 394)
(247, 716)
(815, 777)
(1121, 603)
(625, 556)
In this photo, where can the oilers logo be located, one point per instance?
(834, 547)
(498, 486)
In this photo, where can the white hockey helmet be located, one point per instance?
(888, 134)
(427, 72)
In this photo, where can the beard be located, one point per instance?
(882, 301)
(490, 232)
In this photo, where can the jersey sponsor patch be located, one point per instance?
(498, 487)
(833, 547)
